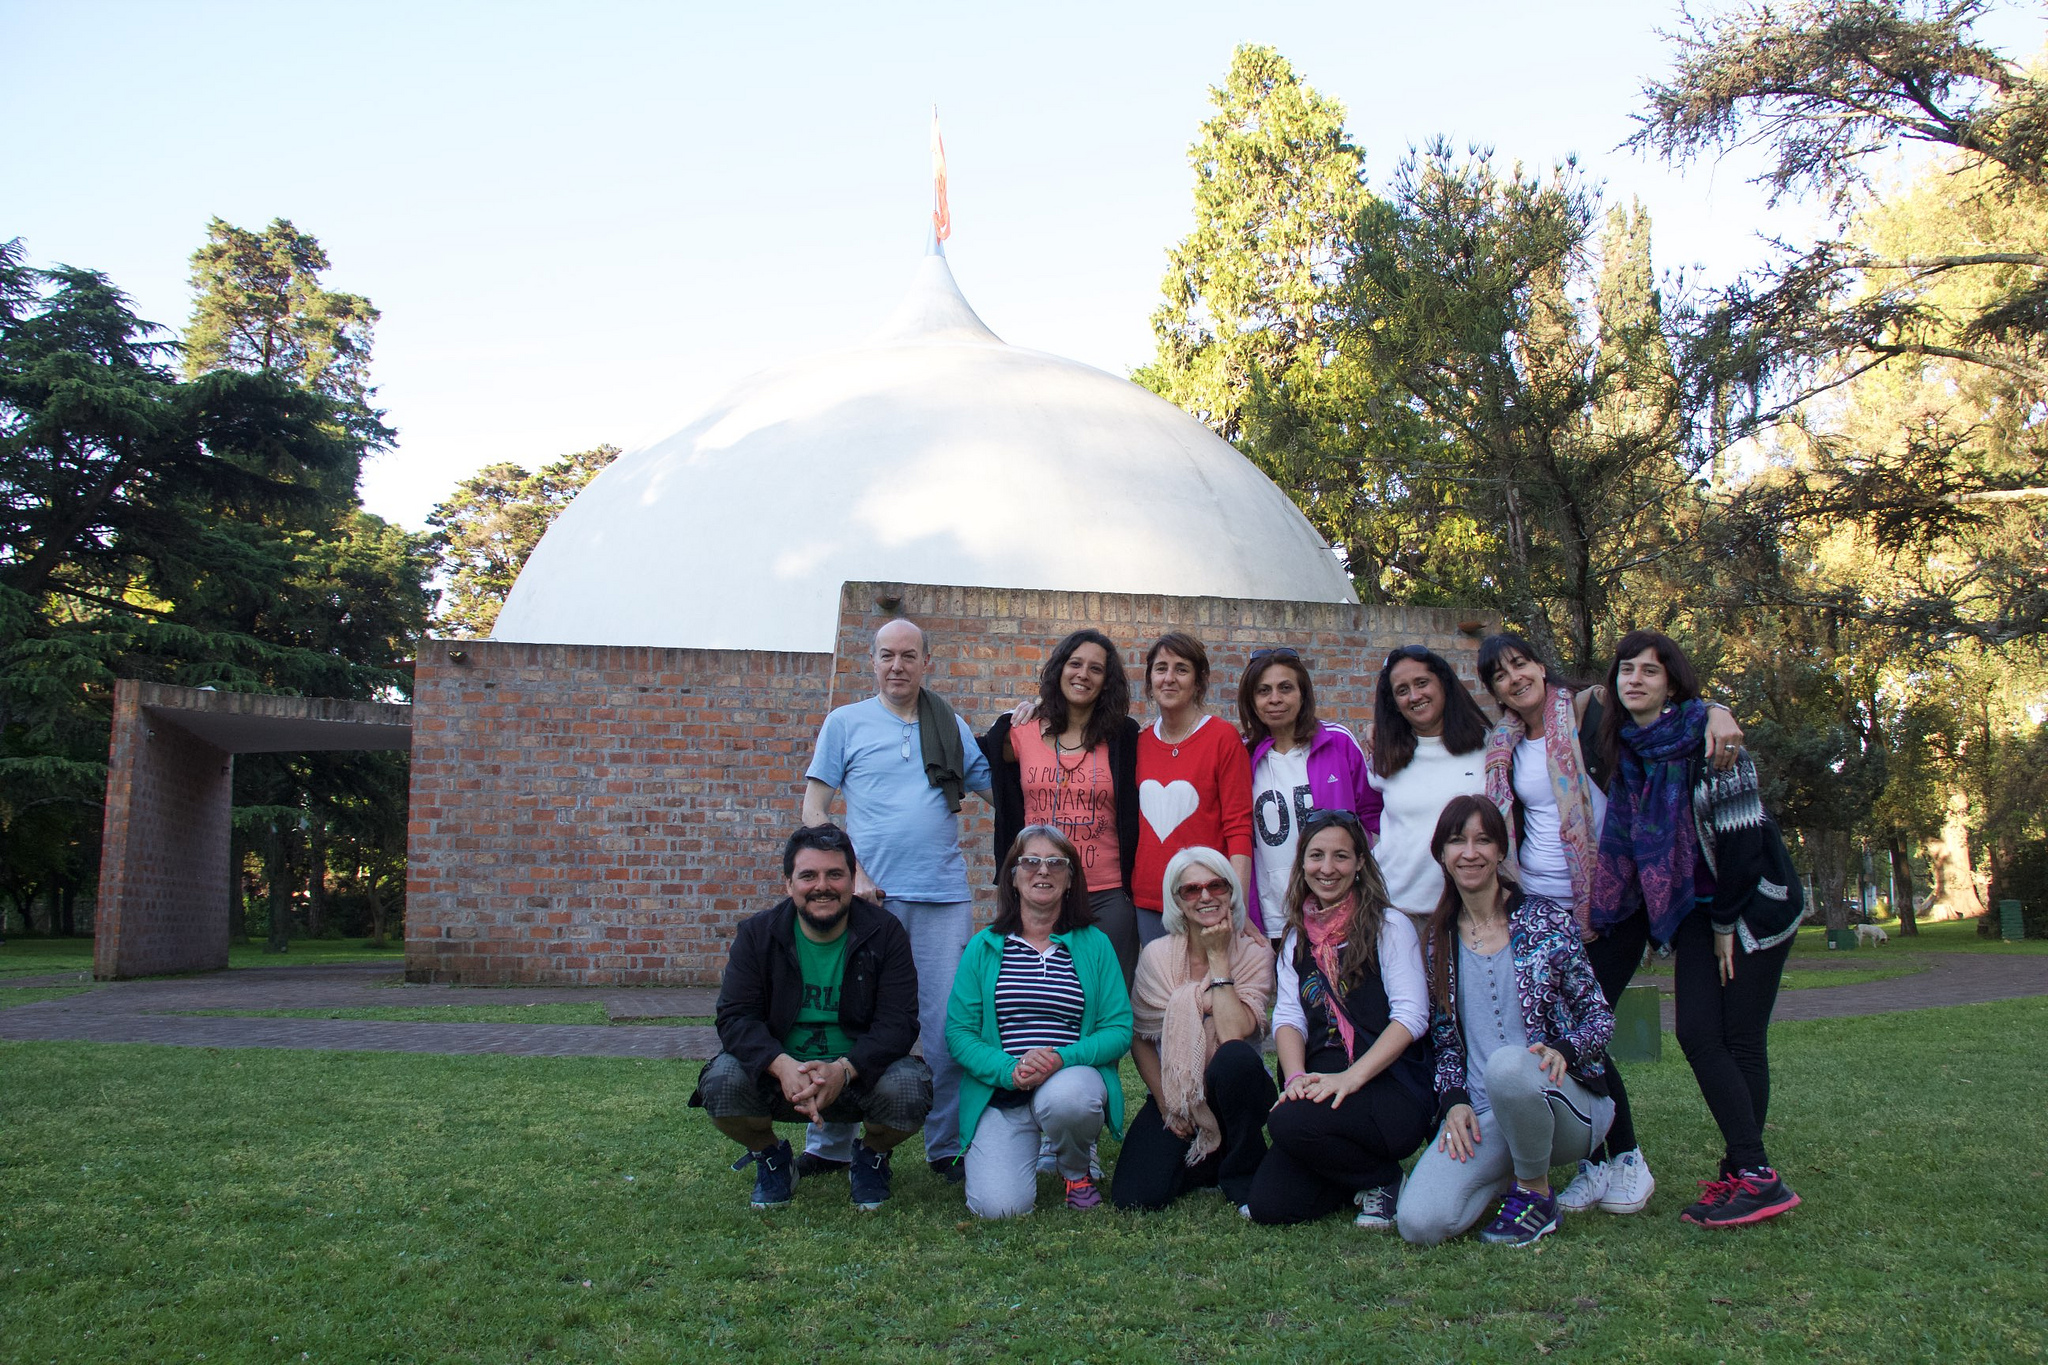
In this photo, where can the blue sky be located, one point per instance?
(583, 221)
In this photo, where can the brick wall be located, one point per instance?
(599, 814)
(163, 892)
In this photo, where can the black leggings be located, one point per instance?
(1152, 1169)
(1322, 1156)
(1724, 1030)
(1615, 955)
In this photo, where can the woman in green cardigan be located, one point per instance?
(1038, 1021)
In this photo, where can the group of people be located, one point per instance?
(1433, 922)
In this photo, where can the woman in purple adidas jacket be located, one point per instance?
(1299, 763)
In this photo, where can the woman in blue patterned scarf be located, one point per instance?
(1687, 848)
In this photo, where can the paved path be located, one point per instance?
(146, 1011)
(149, 1012)
(1948, 979)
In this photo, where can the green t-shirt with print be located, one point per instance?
(817, 1036)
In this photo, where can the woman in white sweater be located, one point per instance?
(1427, 746)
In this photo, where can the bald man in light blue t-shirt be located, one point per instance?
(908, 841)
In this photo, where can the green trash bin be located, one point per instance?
(1638, 1026)
(1843, 939)
(2012, 924)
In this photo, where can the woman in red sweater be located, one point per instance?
(1194, 779)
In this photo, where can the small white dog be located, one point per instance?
(1871, 933)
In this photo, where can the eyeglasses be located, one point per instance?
(1031, 862)
(906, 743)
(1194, 893)
(1284, 653)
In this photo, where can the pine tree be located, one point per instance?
(490, 525)
(260, 308)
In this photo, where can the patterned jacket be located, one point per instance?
(1561, 1000)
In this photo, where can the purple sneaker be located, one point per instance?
(1525, 1218)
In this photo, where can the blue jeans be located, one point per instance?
(939, 931)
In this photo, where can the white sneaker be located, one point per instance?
(1375, 1208)
(1588, 1187)
(1629, 1184)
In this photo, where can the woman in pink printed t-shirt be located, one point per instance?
(1069, 760)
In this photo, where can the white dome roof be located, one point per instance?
(934, 453)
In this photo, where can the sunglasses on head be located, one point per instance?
(1284, 653)
(1419, 652)
(1323, 819)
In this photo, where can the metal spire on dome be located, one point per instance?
(942, 215)
(935, 310)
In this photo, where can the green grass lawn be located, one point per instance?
(161, 1203)
(1949, 936)
(539, 1013)
(29, 995)
(36, 956)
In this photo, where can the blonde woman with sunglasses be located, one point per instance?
(1198, 1012)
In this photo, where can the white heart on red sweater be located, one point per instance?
(1165, 806)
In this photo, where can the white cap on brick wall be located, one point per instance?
(934, 453)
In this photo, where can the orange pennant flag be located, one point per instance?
(942, 217)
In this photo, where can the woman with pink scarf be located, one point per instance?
(1549, 783)
(1198, 1010)
(1350, 1022)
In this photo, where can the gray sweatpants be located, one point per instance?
(1531, 1124)
(1002, 1158)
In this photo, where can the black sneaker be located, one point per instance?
(1376, 1206)
(870, 1176)
(811, 1164)
(1713, 1193)
(774, 1175)
(951, 1169)
(1752, 1196)
(1525, 1218)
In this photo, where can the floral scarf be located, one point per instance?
(1649, 846)
(1568, 781)
(1328, 930)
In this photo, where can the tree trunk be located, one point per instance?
(376, 908)
(316, 879)
(238, 905)
(1902, 884)
(1830, 875)
(1953, 892)
(277, 874)
(2002, 854)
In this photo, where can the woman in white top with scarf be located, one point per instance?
(1549, 784)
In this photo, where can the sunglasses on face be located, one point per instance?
(1031, 862)
(1194, 893)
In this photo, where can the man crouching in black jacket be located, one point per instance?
(817, 1016)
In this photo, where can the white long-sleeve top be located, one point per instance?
(1401, 975)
